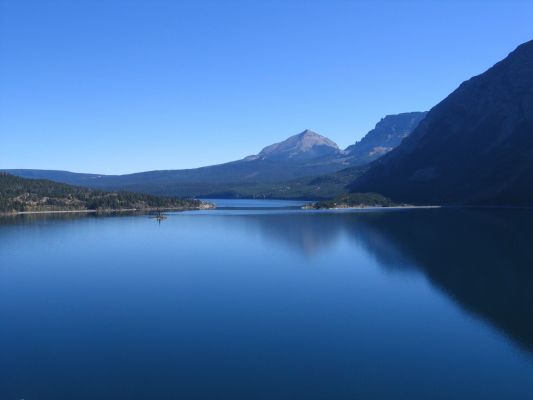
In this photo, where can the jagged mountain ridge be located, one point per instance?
(387, 134)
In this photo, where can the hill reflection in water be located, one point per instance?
(481, 258)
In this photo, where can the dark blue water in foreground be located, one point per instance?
(268, 304)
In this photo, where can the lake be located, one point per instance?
(261, 300)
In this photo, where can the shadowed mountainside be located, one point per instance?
(475, 147)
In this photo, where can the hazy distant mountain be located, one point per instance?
(70, 178)
(388, 134)
(475, 147)
(305, 154)
(298, 162)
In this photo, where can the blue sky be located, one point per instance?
(126, 86)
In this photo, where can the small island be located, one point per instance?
(354, 200)
(20, 195)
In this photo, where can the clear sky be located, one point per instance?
(124, 86)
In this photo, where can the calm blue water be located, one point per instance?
(268, 304)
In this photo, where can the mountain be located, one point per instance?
(305, 154)
(302, 166)
(388, 134)
(19, 194)
(475, 147)
(304, 146)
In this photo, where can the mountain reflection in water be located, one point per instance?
(481, 258)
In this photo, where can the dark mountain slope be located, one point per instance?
(475, 147)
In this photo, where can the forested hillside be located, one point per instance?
(19, 194)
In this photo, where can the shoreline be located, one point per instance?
(122, 210)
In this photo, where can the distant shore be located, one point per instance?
(399, 207)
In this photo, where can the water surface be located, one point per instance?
(271, 303)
